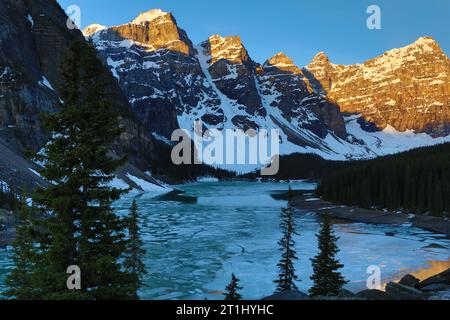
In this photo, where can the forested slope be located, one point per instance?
(417, 181)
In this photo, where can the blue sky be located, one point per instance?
(299, 28)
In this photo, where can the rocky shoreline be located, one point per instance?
(309, 202)
(436, 287)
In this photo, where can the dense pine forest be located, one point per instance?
(302, 166)
(417, 181)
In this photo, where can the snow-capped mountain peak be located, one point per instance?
(282, 62)
(150, 15)
(170, 84)
(229, 48)
(93, 28)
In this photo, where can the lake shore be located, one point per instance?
(309, 202)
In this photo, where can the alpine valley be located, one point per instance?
(389, 104)
(162, 81)
(363, 184)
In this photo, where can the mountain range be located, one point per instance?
(391, 103)
(394, 102)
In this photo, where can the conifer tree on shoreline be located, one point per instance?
(231, 291)
(328, 281)
(286, 275)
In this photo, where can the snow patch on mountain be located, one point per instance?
(45, 83)
(147, 186)
(30, 19)
(389, 140)
(148, 16)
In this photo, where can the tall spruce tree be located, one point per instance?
(79, 226)
(135, 252)
(328, 281)
(286, 275)
(231, 291)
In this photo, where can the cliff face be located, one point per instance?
(296, 99)
(406, 88)
(156, 66)
(232, 72)
(33, 39)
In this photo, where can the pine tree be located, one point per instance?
(328, 281)
(135, 252)
(286, 276)
(232, 289)
(79, 226)
(20, 281)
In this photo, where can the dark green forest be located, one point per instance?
(302, 166)
(417, 181)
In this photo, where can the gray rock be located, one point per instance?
(288, 296)
(402, 292)
(441, 278)
(344, 293)
(436, 287)
(372, 294)
(409, 281)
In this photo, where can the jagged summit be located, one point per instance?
(282, 62)
(426, 40)
(149, 16)
(279, 59)
(321, 57)
(93, 28)
(229, 48)
(405, 88)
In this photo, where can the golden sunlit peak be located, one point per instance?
(150, 15)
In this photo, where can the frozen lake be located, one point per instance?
(192, 249)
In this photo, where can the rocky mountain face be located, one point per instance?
(406, 88)
(155, 64)
(33, 39)
(280, 76)
(171, 83)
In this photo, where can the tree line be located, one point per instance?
(416, 181)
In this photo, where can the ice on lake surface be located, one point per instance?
(192, 249)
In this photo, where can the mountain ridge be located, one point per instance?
(233, 91)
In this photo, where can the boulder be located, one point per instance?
(441, 278)
(373, 294)
(344, 293)
(409, 281)
(288, 296)
(436, 287)
(402, 292)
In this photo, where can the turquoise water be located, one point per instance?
(192, 249)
